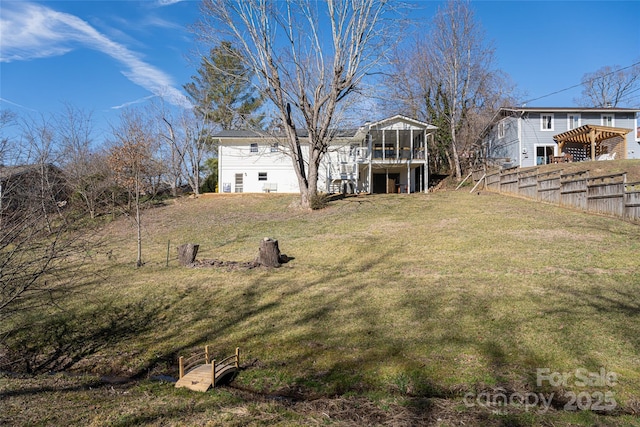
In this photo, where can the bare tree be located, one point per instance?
(447, 78)
(35, 244)
(187, 140)
(38, 149)
(412, 89)
(132, 161)
(609, 86)
(305, 72)
(461, 63)
(33, 248)
(8, 120)
(172, 155)
(86, 170)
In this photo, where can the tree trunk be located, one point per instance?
(139, 226)
(454, 150)
(187, 253)
(196, 180)
(310, 190)
(269, 253)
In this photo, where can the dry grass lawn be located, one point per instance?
(394, 308)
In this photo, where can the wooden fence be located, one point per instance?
(606, 194)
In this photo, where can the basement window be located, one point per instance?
(254, 147)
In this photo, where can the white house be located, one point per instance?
(387, 156)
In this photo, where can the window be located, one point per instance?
(262, 176)
(275, 148)
(501, 129)
(573, 121)
(607, 120)
(239, 183)
(546, 122)
(254, 147)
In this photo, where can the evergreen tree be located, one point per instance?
(222, 92)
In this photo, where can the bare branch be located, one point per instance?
(304, 72)
(608, 86)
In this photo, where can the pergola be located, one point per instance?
(592, 135)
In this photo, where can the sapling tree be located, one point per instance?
(131, 160)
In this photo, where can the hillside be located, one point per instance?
(395, 310)
(631, 167)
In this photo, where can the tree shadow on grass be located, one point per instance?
(90, 383)
(369, 346)
(616, 309)
(306, 329)
(60, 340)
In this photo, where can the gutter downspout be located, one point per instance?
(520, 140)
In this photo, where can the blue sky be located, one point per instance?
(101, 56)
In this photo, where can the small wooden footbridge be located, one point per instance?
(197, 376)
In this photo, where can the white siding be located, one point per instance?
(238, 159)
(347, 162)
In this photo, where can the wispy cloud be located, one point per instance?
(130, 103)
(168, 2)
(6, 101)
(154, 21)
(30, 31)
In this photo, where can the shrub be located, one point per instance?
(210, 184)
(319, 201)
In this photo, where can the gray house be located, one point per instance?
(530, 136)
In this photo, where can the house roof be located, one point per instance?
(12, 171)
(401, 118)
(236, 133)
(338, 133)
(302, 133)
(571, 109)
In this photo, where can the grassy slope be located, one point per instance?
(393, 308)
(631, 167)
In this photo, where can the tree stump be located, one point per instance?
(187, 253)
(269, 253)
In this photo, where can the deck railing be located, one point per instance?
(392, 154)
(185, 364)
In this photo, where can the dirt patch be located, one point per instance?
(234, 265)
(229, 265)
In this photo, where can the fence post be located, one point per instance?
(237, 357)
(181, 364)
(623, 210)
(206, 354)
